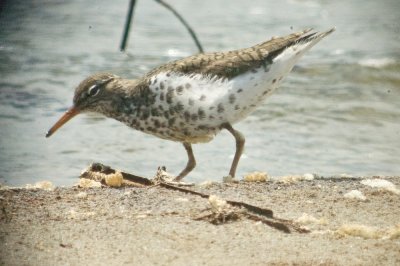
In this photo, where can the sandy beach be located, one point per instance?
(347, 221)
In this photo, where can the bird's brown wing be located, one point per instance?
(232, 63)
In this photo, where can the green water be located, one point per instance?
(337, 112)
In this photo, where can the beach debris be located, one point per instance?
(292, 179)
(369, 232)
(355, 194)
(394, 232)
(309, 219)
(381, 183)
(107, 176)
(45, 185)
(163, 176)
(228, 179)
(81, 195)
(88, 183)
(309, 176)
(207, 184)
(114, 180)
(256, 177)
(221, 210)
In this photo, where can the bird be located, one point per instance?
(191, 100)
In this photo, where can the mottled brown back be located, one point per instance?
(232, 63)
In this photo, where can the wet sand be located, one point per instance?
(158, 226)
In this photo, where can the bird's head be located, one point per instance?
(91, 95)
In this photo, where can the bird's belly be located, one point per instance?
(193, 108)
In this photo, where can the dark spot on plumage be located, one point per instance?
(202, 127)
(179, 107)
(186, 132)
(155, 112)
(145, 114)
(168, 74)
(221, 108)
(157, 123)
(179, 90)
(201, 113)
(191, 102)
(273, 81)
(171, 121)
(155, 81)
(253, 71)
(181, 124)
(162, 85)
(253, 105)
(170, 95)
(237, 107)
(211, 117)
(232, 98)
(202, 97)
(256, 84)
(211, 108)
(161, 107)
(166, 114)
(149, 129)
(187, 116)
(172, 110)
(187, 85)
(161, 96)
(298, 53)
(194, 117)
(141, 128)
(239, 90)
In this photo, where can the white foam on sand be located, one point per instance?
(355, 194)
(45, 185)
(381, 183)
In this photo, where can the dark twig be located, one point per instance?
(181, 19)
(253, 212)
(127, 25)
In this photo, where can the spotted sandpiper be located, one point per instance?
(192, 99)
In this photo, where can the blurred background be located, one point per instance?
(337, 112)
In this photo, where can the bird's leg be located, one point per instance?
(190, 164)
(239, 147)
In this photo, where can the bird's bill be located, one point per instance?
(70, 113)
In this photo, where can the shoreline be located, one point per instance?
(155, 225)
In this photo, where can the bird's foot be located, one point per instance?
(229, 179)
(163, 176)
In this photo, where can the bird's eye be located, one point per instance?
(94, 90)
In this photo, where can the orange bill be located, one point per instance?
(70, 113)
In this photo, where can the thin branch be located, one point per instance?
(181, 19)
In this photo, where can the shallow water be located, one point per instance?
(337, 112)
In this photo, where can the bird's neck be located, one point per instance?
(128, 101)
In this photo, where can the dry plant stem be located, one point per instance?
(181, 19)
(252, 212)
